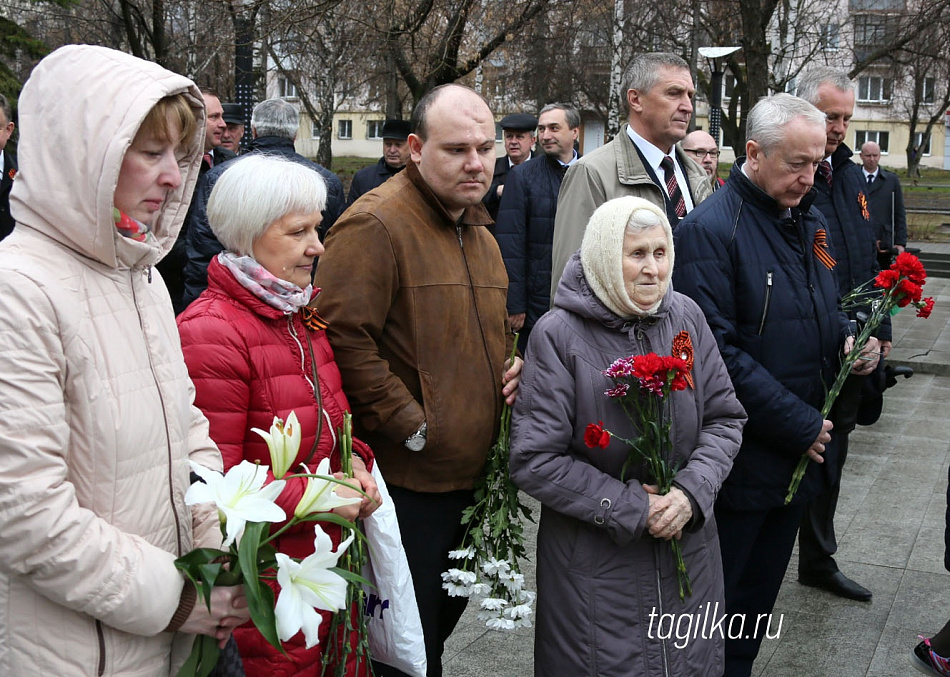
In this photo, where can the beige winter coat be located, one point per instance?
(96, 415)
(613, 170)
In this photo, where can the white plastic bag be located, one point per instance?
(395, 631)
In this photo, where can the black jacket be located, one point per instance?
(773, 307)
(847, 212)
(6, 184)
(201, 245)
(887, 208)
(525, 232)
(368, 178)
(502, 170)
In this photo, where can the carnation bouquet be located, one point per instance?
(897, 287)
(246, 509)
(643, 387)
(488, 557)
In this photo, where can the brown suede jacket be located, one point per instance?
(416, 308)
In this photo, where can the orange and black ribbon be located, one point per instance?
(863, 203)
(820, 247)
(683, 349)
(312, 320)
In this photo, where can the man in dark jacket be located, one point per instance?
(753, 256)
(274, 126)
(414, 295)
(172, 267)
(841, 197)
(886, 202)
(525, 224)
(395, 156)
(518, 132)
(9, 167)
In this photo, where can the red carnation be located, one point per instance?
(908, 292)
(926, 307)
(886, 279)
(647, 366)
(910, 267)
(596, 436)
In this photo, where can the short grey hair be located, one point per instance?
(644, 71)
(571, 114)
(809, 83)
(255, 191)
(275, 117)
(769, 117)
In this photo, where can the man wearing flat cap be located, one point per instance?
(234, 119)
(395, 156)
(519, 133)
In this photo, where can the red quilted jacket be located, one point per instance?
(250, 362)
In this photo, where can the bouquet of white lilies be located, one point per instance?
(246, 509)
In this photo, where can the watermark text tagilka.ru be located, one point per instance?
(708, 623)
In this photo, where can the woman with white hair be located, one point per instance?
(255, 350)
(607, 582)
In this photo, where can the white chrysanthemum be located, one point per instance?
(511, 580)
(465, 553)
(500, 624)
(495, 566)
(493, 604)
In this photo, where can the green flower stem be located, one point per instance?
(878, 313)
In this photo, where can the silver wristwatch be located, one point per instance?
(417, 440)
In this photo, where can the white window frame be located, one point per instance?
(347, 125)
(862, 136)
(378, 125)
(874, 89)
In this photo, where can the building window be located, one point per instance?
(829, 36)
(728, 86)
(314, 130)
(374, 129)
(874, 89)
(927, 90)
(344, 129)
(918, 137)
(861, 137)
(285, 88)
(499, 133)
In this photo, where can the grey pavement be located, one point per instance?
(890, 526)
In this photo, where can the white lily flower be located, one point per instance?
(240, 496)
(307, 586)
(320, 495)
(283, 442)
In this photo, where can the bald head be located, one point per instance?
(700, 146)
(870, 156)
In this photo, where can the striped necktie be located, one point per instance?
(673, 187)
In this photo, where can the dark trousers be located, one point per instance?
(816, 540)
(756, 546)
(431, 526)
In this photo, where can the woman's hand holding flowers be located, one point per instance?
(228, 610)
(870, 354)
(370, 495)
(669, 513)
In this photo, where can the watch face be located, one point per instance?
(416, 443)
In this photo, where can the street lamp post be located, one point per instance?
(713, 55)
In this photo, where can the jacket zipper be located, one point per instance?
(161, 399)
(315, 385)
(100, 636)
(768, 297)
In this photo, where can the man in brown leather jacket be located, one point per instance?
(414, 293)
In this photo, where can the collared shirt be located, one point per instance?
(867, 174)
(655, 156)
(568, 164)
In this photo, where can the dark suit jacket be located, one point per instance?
(6, 184)
(886, 202)
(491, 200)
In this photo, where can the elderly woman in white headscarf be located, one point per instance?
(607, 582)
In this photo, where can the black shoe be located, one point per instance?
(836, 583)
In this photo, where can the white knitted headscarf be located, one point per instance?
(602, 251)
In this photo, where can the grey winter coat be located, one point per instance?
(600, 573)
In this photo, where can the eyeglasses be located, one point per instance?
(699, 153)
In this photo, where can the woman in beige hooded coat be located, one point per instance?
(97, 422)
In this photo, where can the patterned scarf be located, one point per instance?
(280, 294)
(130, 228)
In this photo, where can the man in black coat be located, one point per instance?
(841, 196)
(886, 203)
(754, 257)
(9, 167)
(525, 224)
(395, 157)
(518, 131)
(172, 267)
(274, 126)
